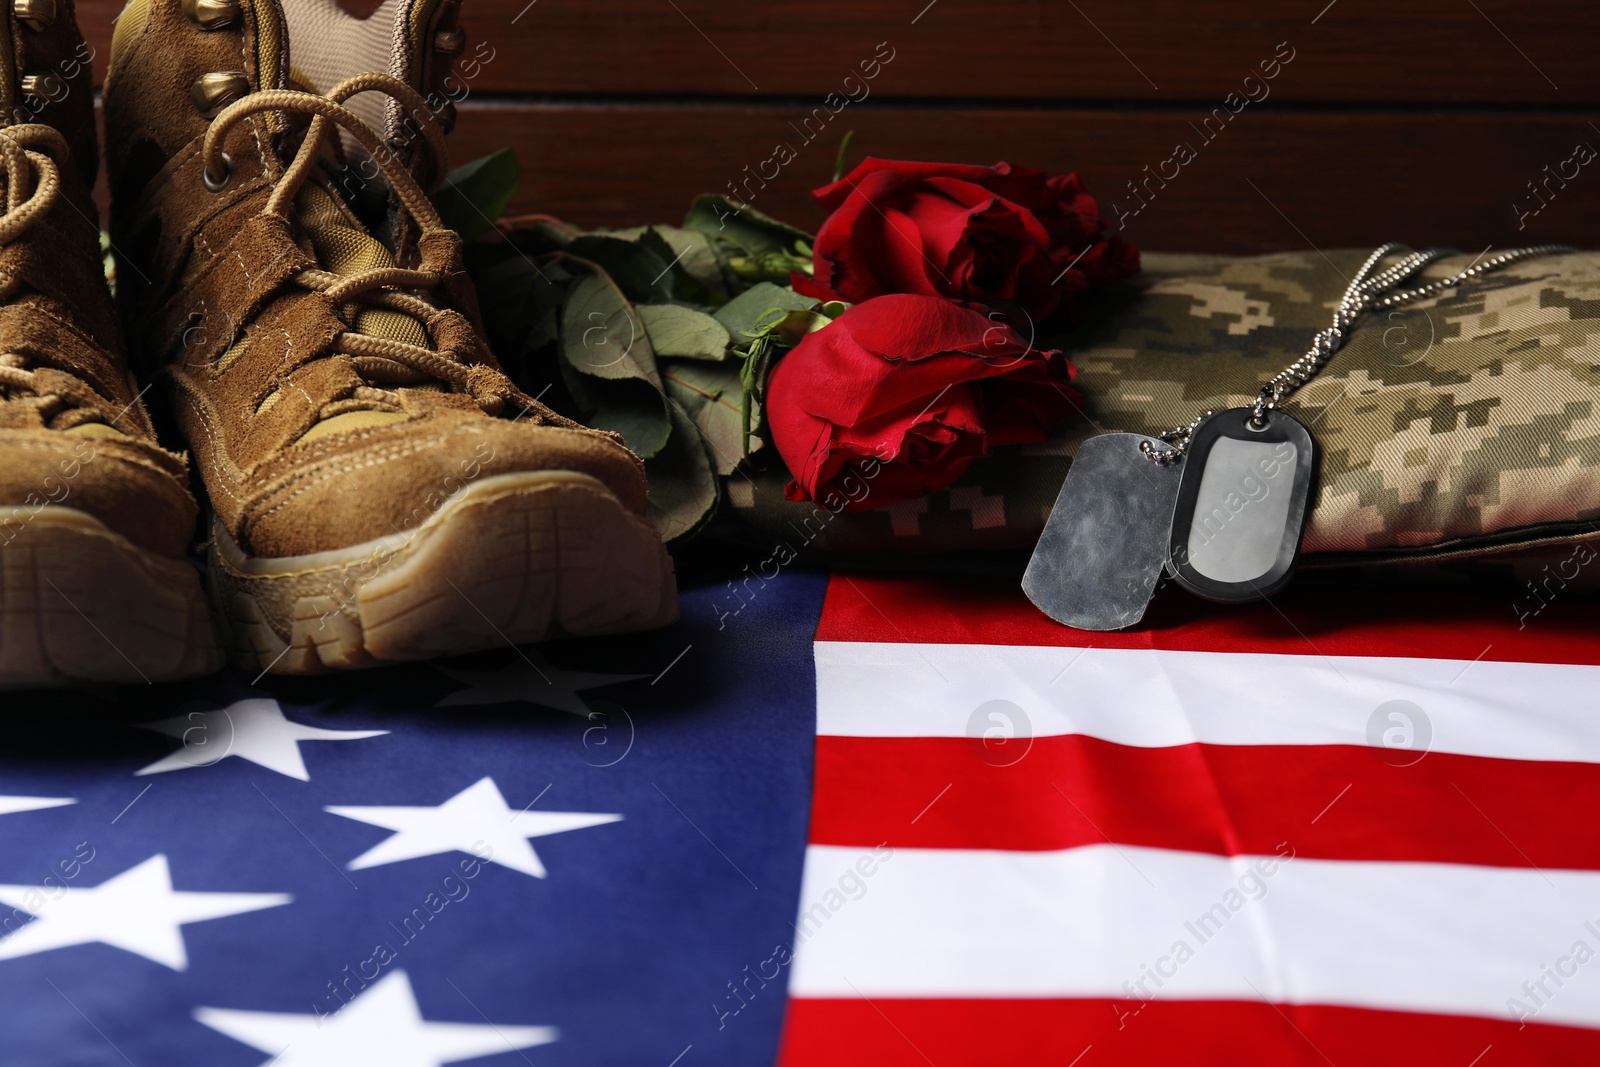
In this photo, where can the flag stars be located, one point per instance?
(476, 820)
(383, 1025)
(254, 730)
(137, 911)
(13, 805)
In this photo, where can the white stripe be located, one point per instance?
(1093, 922)
(1530, 711)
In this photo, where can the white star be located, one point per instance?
(382, 1025)
(137, 910)
(11, 805)
(534, 681)
(474, 817)
(250, 729)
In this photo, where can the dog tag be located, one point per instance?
(1241, 506)
(1105, 543)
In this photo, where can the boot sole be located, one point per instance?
(507, 560)
(80, 603)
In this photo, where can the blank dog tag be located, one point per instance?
(1241, 506)
(1105, 543)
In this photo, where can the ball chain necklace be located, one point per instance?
(1219, 503)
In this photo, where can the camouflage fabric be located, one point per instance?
(1452, 428)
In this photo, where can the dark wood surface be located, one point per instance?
(1426, 51)
(1270, 180)
(1421, 121)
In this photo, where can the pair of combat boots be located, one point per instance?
(378, 489)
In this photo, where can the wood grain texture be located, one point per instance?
(1369, 51)
(1270, 180)
(1424, 122)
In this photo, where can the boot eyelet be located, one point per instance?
(37, 15)
(216, 185)
(210, 14)
(46, 86)
(450, 43)
(214, 91)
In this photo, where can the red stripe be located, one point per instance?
(1307, 619)
(1329, 801)
(886, 1032)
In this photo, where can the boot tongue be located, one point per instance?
(345, 249)
(401, 38)
(328, 47)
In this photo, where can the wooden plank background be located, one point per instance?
(1423, 122)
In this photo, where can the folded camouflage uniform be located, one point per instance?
(1459, 426)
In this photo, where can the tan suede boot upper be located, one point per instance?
(95, 517)
(328, 367)
(65, 393)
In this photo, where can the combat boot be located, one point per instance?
(380, 489)
(95, 516)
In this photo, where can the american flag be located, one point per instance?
(839, 820)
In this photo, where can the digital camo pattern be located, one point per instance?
(1458, 425)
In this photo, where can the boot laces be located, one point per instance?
(380, 361)
(32, 177)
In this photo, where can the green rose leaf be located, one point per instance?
(696, 268)
(697, 260)
(683, 489)
(711, 396)
(751, 310)
(684, 332)
(521, 302)
(610, 367)
(602, 334)
(541, 237)
(751, 247)
(642, 272)
(754, 233)
(475, 194)
(630, 407)
(654, 242)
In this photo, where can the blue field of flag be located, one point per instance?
(587, 853)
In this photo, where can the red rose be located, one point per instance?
(993, 235)
(895, 397)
